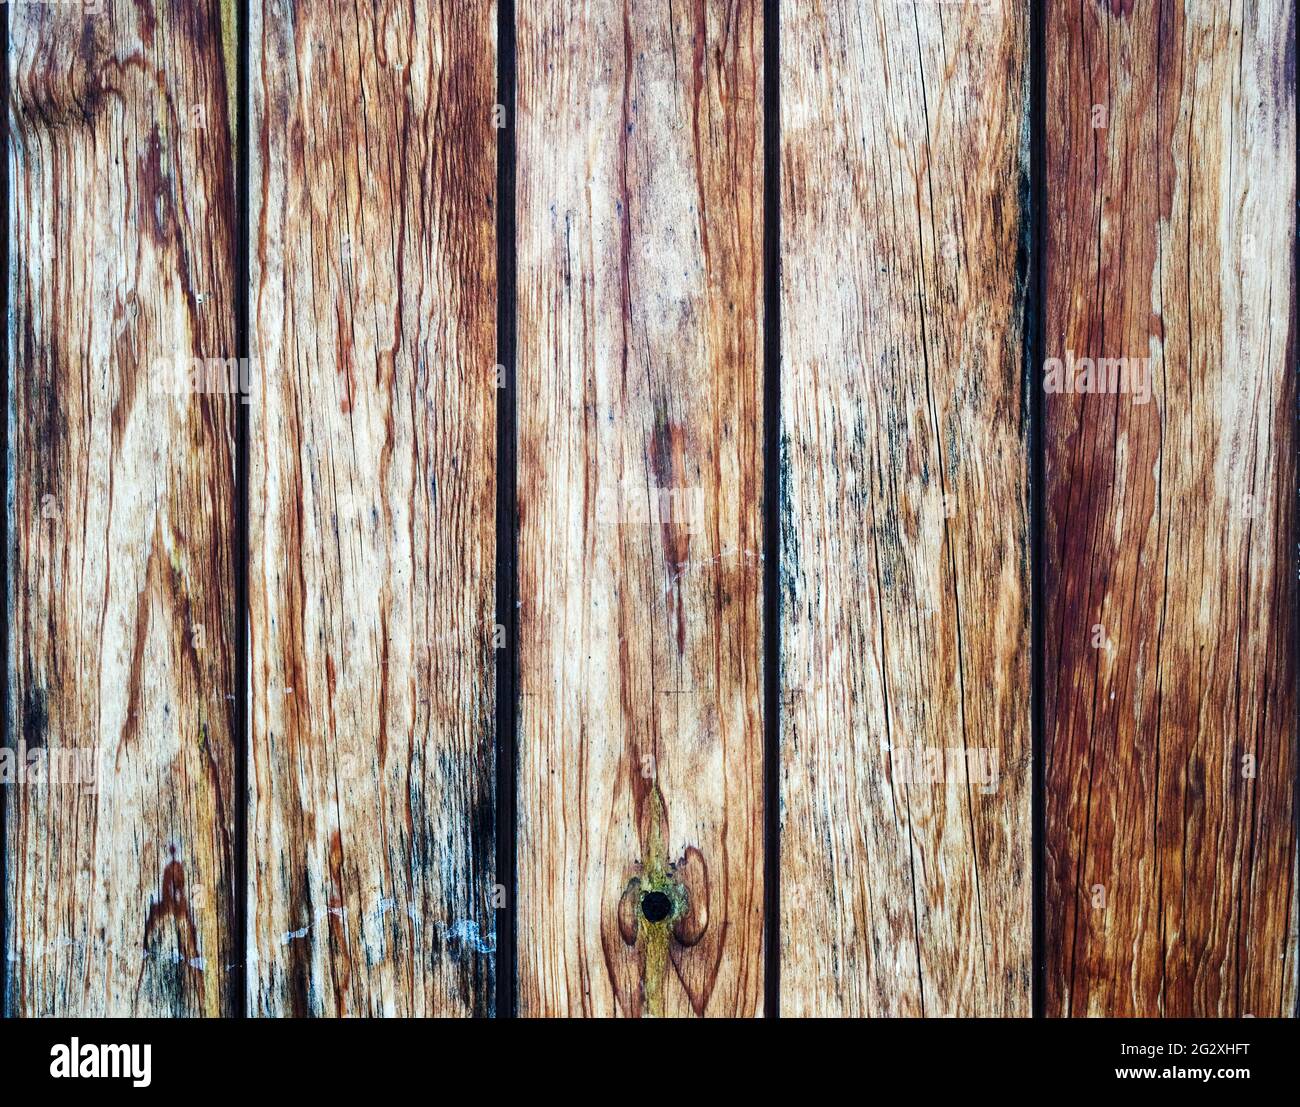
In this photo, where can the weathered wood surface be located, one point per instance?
(119, 892)
(1170, 572)
(905, 879)
(372, 453)
(640, 440)
(1169, 526)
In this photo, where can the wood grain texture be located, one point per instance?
(1170, 574)
(905, 736)
(119, 888)
(640, 438)
(372, 441)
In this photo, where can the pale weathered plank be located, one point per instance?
(905, 878)
(1171, 485)
(120, 893)
(640, 442)
(372, 454)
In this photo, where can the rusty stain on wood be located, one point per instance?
(640, 438)
(120, 893)
(1171, 497)
(372, 442)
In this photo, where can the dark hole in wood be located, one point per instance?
(656, 906)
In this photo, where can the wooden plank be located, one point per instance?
(1171, 485)
(640, 442)
(905, 734)
(372, 441)
(119, 888)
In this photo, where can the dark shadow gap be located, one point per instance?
(771, 507)
(507, 522)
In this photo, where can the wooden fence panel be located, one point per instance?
(1171, 486)
(905, 554)
(119, 891)
(372, 537)
(640, 160)
(1167, 537)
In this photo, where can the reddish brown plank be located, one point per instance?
(371, 488)
(1171, 509)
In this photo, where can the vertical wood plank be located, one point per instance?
(640, 448)
(372, 442)
(119, 886)
(905, 736)
(1171, 499)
